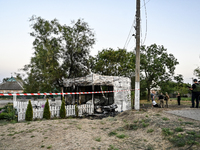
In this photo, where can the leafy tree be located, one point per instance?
(29, 112)
(197, 72)
(59, 52)
(113, 62)
(157, 65)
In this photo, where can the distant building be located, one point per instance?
(12, 85)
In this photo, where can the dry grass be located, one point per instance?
(150, 128)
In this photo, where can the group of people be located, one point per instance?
(161, 98)
(165, 97)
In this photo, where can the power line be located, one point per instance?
(129, 37)
(146, 22)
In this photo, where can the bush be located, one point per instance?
(8, 112)
(76, 110)
(29, 112)
(62, 109)
(47, 113)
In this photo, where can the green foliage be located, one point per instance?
(8, 112)
(150, 130)
(179, 129)
(166, 131)
(158, 66)
(29, 112)
(76, 110)
(62, 109)
(121, 136)
(47, 113)
(112, 133)
(60, 51)
(113, 62)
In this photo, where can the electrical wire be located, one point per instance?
(142, 43)
(129, 35)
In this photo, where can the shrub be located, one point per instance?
(47, 113)
(29, 112)
(63, 110)
(76, 110)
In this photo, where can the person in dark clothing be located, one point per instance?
(178, 99)
(195, 93)
(161, 99)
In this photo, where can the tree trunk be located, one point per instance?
(149, 95)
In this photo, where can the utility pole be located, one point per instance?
(137, 68)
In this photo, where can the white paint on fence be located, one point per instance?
(38, 108)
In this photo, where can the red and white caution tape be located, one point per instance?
(70, 93)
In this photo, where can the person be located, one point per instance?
(161, 98)
(195, 93)
(166, 99)
(178, 98)
(152, 97)
(154, 104)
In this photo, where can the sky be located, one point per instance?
(175, 24)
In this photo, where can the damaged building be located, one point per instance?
(118, 100)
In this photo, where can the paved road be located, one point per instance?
(192, 113)
(5, 101)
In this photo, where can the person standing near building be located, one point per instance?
(195, 93)
(178, 99)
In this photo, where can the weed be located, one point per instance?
(165, 118)
(42, 146)
(166, 131)
(131, 126)
(49, 147)
(147, 116)
(149, 147)
(121, 136)
(45, 137)
(112, 133)
(79, 127)
(32, 136)
(120, 129)
(98, 139)
(150, 130)
(188, 123)
(111, 147)
(157, 115)
(145, 124)
(179, 129)
(180, 120)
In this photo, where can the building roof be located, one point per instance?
(12, 84)
(94, 79)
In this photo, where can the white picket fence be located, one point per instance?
(38, 108)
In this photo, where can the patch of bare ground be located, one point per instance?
(149, 128)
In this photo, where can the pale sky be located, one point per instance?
(175, 24)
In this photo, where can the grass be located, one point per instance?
(112, 133)
(98, 139)
(165, 118)
(179, 129)
(150, 130)
(121, 136)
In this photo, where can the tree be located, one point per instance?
(113, 63)
(157, 66)
(59, 52)
(47, 113)
(62, 109)
(197, 72)
(29, 112)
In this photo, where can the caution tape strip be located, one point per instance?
(70, 93)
